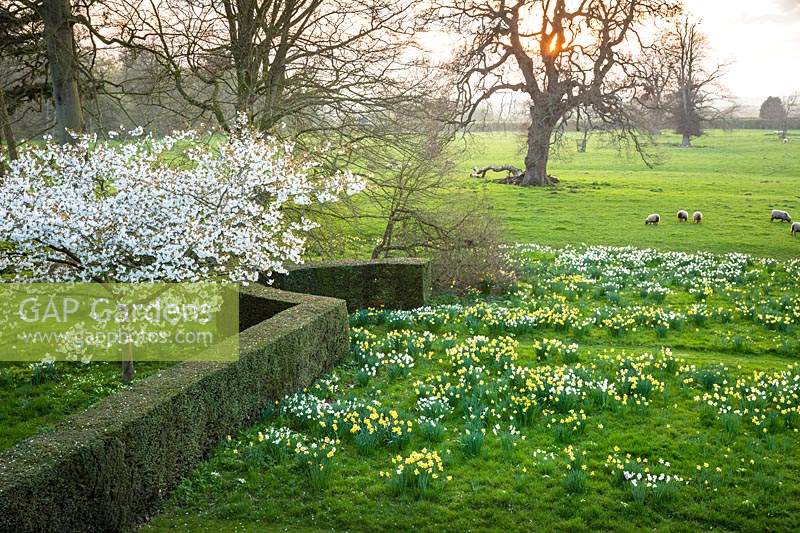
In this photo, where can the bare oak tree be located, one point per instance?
(696, 97)
(560, 54)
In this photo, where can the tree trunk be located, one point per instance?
(539, 134)
(6, 133)
(127, 365)
(63, 67)
(386, 239)
(686, 142)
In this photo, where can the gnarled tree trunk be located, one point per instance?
(63, 67)
(539, 134)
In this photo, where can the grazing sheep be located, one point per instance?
(795, 229)
(785, 140)
(782, 216)
(683, 216)
(652, 219)
(698, 217)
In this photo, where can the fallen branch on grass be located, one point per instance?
(514, 175)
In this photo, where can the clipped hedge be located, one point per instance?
(402, 283)
(109, 467)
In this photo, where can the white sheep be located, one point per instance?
(653, 219)
(683, 216)
(698, 217)
(795, 229)
(782, 216)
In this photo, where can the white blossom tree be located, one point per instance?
(149, 211)
(174, 209)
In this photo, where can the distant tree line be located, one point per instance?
(727, 123)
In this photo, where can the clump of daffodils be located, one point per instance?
(567, 427)
(418, 471)
(574, 480)
(274, 443)
(549, 348)
(508, 437)
(646, 480)
(315, 457)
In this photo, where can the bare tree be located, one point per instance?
(411, 199)
(23, 64)
(562, 55)
(409, 182)
(696, 97)
(584, 124)
(312, 65)
(791, 103)
(655, 73)
(38, 55)
(406, 162)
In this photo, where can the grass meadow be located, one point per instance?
(735, 178)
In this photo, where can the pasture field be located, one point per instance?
(612, 389)
(735, 178)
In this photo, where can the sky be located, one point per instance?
(759, 39)
(762, 40)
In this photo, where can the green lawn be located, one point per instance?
(33, 397)
(734, 178)
(537, 434)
